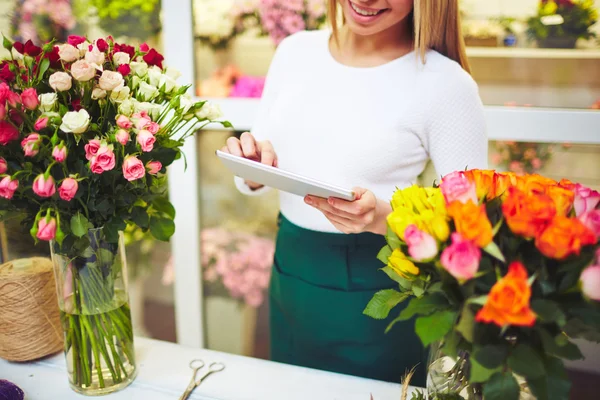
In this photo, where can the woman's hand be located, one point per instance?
(248, 147)
(365, 214)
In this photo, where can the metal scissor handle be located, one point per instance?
(197, 365)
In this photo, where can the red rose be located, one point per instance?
(125, 49)
(154, 58)
(15, 117)
(124, 69)
(144, 47)
(102, 45)
(8, 133)
(75, 40)
(76, 104)
(54, 57)
(28, 48)
(5, 72)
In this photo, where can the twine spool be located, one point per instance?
(30, 325)
(10, 391)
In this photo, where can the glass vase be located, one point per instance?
(448, 377)
(91, 282)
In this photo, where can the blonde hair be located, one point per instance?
(436, 26)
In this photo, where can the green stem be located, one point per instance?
(87, 372)
(110, 333)
(98, 346)
(74, 350)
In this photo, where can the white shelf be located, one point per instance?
(533, 53)
(526, 124)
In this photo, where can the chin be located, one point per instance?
(383, 17)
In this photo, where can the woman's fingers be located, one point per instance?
(267, 153)
(234, 147)
(249, 147)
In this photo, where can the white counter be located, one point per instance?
(164, 374)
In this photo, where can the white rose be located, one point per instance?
(95, 56)
(75, 121)
(173, 73)
(152, 109)
(209, 111)
(126, 107)
(154, 75)
(185, 103)
(68, 53)
(148, 92)
(60, 81)
(83, 71)
(98, 93)
(135, 82)
(120, 93)
(47, 101)
(121, 58)
(110, 80)
(83, 48)
(167, 83)
(139, 68)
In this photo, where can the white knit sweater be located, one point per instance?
(374, 128)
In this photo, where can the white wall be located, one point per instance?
(494, 8)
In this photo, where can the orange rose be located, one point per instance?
(567, 184)
(484, 182)
(534, 183)
(563, 198)
(508, 301)
(527, 215)
(502, 181)
(471, 222)
(563, 237)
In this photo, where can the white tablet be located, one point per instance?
(283, 180)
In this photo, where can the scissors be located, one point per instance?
(197, 365)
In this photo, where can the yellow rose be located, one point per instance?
(439, 228)
(401, 265)
(400, 218)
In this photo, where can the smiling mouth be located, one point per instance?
(366, 12)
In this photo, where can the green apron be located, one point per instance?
(320, 285)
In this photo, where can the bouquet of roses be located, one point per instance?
(87, 131)
(563, 19)
(502, 271)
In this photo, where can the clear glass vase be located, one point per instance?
(91, 282)
(448, 378)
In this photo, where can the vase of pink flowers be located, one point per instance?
(87, 130)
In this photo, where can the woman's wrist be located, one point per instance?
(379, 224)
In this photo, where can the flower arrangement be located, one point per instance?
(522, 157)
(87, 130)
(502, 272)
(229, 81)
(559, 23)
(281, 18)
(238, 262)
(42, 20)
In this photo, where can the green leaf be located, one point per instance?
(466, 324)
(481, 300)
(479, 373)
(549, 311)
(384, 254)
(493, 250)
(497, 227)
(162, 204)
(435, 326)
(405, 284)
(526, 362)
(6, 43)
(382, 303)
(418, 288)
(393, 239)
(140, 217)
(44, 65)
(105, 257)
(451, 343)
(554, 385)
(79, 225)
(162, 228)
(491, 356)
(226, 124)
(568, 350)
(502, 386)
(424, 306)
(112, 228)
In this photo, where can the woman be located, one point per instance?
(365, 107)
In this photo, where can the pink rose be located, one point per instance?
(60, 81)
(46, 229)
(124, 122)
(153, 167)
(591, 219)
(586, 199)
(142, 122)
(122, 136)
(91, 149)
(457, 187)
(146, 140)
(590, 282)
(110, 80)
(68, 53)
(3, 111)
(3, 166)
(421, 245)
(153, 128)
(94, 55)
(44, 187)
(133, 168)
(41, 123)
(8, 187)
(461, 258)
(75, 40)
(8, 133)
(31, 145)
(68, 189)
(83, 71)
(13, 99)
(104, 160)
(30, 99)
(59, 153)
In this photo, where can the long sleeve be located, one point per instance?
(273, 80)
(456, 130)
